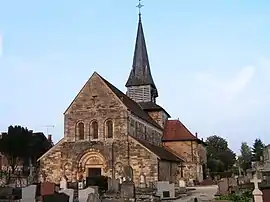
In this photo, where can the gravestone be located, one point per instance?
(142, 181)
(93, 198)
(257, 193)
(83, 194)
(29, 193)
(56, 197)
(69, 192)
(47, 188)
(6, 193)
(63, 183)
(113, 185)
(223, 186)
(165, 189)
(128, 174)
(127, 190)
(182, 186)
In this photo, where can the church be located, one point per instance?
(107, 131)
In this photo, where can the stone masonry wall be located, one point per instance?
(142, 131)
(168, 171)
(95, 102)
(189, 151)
(143, 162)
(159, 116)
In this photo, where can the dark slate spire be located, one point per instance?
(140, 74)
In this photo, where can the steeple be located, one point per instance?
(140, 84)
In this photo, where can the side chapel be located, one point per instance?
(106, 131)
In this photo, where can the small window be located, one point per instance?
(109, 127)
(81, 130)
(95, 129)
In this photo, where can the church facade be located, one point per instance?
(106, 131)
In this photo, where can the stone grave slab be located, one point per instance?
(29, 193)
(47, 188)
(69, 192)
(56, 197)
(63, 183)
(6, 193)
(92, 197)
(165, 189)
(223, 186)
(127, 190)
(182, 186)
(83, 194)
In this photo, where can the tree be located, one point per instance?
(219, 157)
(257, 150)
(246, 156)
(19, 144)
(13, 144)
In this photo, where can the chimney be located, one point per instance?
(196, 134)
(49, 138)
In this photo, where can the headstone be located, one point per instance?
(142, 181)
(127, 190)
(69, 192)
(29, 193)
(128, 174)
(80, 185)
(56, 197)
(165, 189)
(93, 198)
(63, 183)
(223, 186)
(83, 194)
(257, 194)
(113, 185)
(6, 192)
(182, 186)
(47, 188)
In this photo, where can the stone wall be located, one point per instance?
(159, 116)
(193, 154)
(168, 171)
(143, 162)
(95, 102)
(144, 131)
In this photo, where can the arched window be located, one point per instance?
(81, 131)
(94, 126)
(109, 129)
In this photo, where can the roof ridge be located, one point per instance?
(131, 104)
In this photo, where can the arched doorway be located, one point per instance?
(93, 164)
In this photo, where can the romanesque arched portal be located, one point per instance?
(92, 163)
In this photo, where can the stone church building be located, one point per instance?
(107, 132)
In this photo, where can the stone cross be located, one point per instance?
(257, 194)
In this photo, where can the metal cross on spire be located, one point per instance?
(139, 6)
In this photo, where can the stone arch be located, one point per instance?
(93, 129)
(109, 128)
(92, 160)
(80, 130)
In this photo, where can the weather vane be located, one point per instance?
(139, 6)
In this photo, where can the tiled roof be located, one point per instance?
(131, 105)
(151, 106)
(161, 152)
(176, 131)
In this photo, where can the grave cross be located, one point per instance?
(257, 193)
(255, 181)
